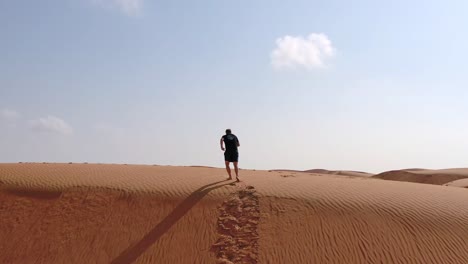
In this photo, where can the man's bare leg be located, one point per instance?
(228, 169)
(236, 169)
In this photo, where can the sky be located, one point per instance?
(341, 85)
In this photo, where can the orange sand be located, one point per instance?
(88, 213)
(463, 183)
(330, 172)
(437, 177)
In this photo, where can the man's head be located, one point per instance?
(228, 131)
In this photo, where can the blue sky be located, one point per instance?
(358, 85)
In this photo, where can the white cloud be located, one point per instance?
(128, 7)
(51, 124)
(8, 114)
(310, 52)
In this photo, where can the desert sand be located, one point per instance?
(437, 177)
(332, 172)
(96, 213)
(463, 183)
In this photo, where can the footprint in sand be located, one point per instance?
(237, 227)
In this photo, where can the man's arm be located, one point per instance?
(237, 141)
(221, 142)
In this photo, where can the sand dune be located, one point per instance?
(463, 183)
(344, 173)
(437, 177)
(331, 172)
(455, 171)
(87, 213)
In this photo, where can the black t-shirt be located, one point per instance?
(231, 141)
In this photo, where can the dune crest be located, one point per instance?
(437, 177)
(89, 213)
(332, 172)
(463, 183)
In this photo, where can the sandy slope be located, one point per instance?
(438, 177)
(86, 213)
(344, 173)
(463, 183)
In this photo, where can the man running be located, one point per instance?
(230, 153)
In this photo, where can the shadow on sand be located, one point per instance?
(132, 253)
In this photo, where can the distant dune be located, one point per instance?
(463, 183)
(344, 173)
(89, 213)
(331, 172)
(437, 177)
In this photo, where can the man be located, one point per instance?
(230, 152)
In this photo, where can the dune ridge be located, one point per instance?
(331, 172)
(67, 213)
(463, 183)
(437, 177)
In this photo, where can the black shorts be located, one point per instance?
(231, 156)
